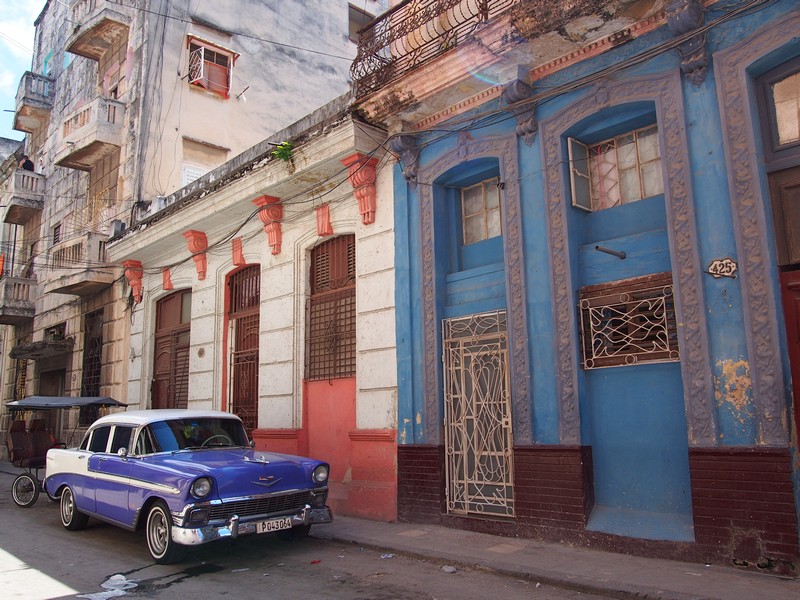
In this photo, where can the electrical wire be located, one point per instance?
(476, 121)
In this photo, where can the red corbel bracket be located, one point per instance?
(362, 177)
(198, 244)
(271, 214)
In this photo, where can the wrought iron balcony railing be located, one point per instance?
(415, 32)
(412, 34)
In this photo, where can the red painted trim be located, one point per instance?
(373, 435)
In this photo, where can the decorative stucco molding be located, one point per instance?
(133, 273)
(505, 150)
(683, 17)
(750, 223)
(362, 177)
(666, 93)
(198, 244)
(517, 91)
(324, 227)
(405, 146)
(271, 214)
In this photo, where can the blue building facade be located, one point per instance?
(597, 287)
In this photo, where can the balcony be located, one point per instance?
(414, 33)
(99, 26)
(34, 102)
(16, 300)
(91, 133)
(78, 266)
(27, 197)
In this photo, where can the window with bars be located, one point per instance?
(615, 171)
(92, 364)
(210, 67)
(331, 310)
(20, 378)
(629, 322)
(480, 211)
(245, 294)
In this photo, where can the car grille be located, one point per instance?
(261, 506)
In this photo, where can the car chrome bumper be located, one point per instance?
(194, 536)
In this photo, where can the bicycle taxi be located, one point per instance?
(30, 436)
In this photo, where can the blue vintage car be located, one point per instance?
(187, 477)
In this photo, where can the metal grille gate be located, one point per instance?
(477, 416)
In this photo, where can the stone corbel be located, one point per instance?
(514, 92)
(166, 279)
(684, 16)
(237, 254)
(134, 273)
(405, 146)
(198, 244)
(324, 227)
(362, 177)
(271, 214)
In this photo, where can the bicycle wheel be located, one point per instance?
(25, 490)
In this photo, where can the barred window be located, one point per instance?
(629, 322)
(331, 310)
(92, 364)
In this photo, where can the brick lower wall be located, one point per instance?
(744, 507)
(743, 504)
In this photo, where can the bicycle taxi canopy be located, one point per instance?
(49, 402)
(28, 443)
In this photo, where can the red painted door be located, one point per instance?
(170, 387)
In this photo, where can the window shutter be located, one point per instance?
(197, 65)
(579, 174)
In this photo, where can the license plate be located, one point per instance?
(274, 525)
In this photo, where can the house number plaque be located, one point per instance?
(725, 267)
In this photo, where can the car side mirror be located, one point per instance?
(252, 444)
(122, 452)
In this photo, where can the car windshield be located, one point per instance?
(180, 434)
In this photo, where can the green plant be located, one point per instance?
(283, 151)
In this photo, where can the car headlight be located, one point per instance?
(320, 474)
(201, 487)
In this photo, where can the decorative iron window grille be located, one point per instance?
(210, 68)
(331, 310)
(629, 322)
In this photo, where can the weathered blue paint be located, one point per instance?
(639, 449)
(633, 417)
(539, 297)
(407, 312)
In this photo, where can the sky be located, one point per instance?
(16, 50)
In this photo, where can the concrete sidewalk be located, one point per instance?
(598, 572)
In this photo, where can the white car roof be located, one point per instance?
(143, 417)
